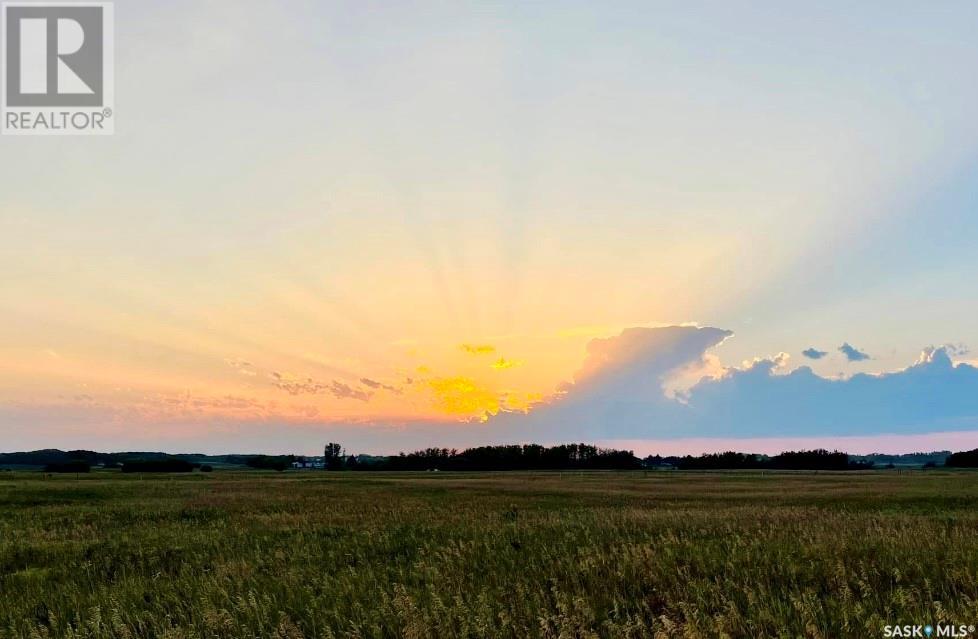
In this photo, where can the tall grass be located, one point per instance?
(507, 555)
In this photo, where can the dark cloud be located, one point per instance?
(345, 391)
(310, 386)
(297, 386)
(814, 353)
(370, 383)
(243, 367)
(852, 353)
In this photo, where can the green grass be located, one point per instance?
(245, 554)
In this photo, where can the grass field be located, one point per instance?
(246, 554)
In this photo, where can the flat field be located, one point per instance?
(314, 554)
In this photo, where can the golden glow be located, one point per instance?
(478, 349)
(502, 364)
(462, 396)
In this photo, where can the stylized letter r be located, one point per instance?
(46, 48)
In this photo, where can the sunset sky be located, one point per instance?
(408, 224)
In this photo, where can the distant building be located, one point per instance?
(309, 463)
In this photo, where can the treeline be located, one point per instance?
(964, 459)
(801, 460)
(482, 458)
(54, 457)
(931, 459)
(81, 461)
(515, 457)
(818, 459)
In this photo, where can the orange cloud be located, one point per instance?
(464, 397)
(478, 349)
(521, 402)
(502, 363)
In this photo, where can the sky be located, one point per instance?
(672, 226)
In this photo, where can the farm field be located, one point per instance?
(601, 554)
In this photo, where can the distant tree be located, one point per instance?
(333, 456)
(206, 468)
(819, 459)
(939, 457)
(87, 456)
(729, 460)
(963, 459)
(657, 461)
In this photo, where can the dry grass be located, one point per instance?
(495, 555)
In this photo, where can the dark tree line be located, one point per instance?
(964, 459)
(515, 457)
(819, 459)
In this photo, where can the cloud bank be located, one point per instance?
(930, 395)
(624, 390)
(618, 393)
